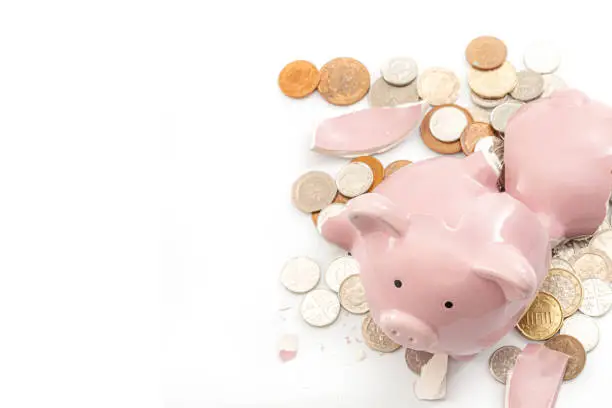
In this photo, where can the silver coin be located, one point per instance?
(552, 83)
(352, 295)
(313, 191)
(502, 361)
(558, 263)
(542, 57)
(487, 103)
(502, 113)
(384, 95)
(438, 86)
(480, 114)
(597, 297)
(339, 269)
(530, 86)
(399, 71)
(320, 308)
(447, 124)
(592, 264)
(354, 179)
(602, 242)
(330, 211)
(300, 274)
(583, 328)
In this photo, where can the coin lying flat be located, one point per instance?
(375, 165)
(486, 53)
(435, 144)
(552, 83)
(602, 242)
(352, 295)
(472, 134)
(312, 191)
(344, 81)
(395, 166)
(592, 264)
(566, 288)
(300, 274)
(339, 269)
(501, 114)
(384, 95)
(502, 361)
(480, 114)
(447, 124)
(298, 79)
(530, 86)
(597, 297)
(542, 57)
(495, 83)
(354, 179)
(340, 199)
(543, 318)
(487, 103)
(438, 86)
(330, 211)
(558, 263)
(416, 359)
(571, 346)
(584, 328)
(320, 308)
(375, 338)
(399, 71)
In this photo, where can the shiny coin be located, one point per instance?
(375, 338)
(313, 191)
(480, 114)
(592, 264)
(447, 124)
(487, 103)
(330, 211)
(501, 114)
(566, 288)
(597, 297)
(416, 359)
(300, 274)
(438, 86)
(486, 52)
(542, 57)
(558, 263)
(340, 269)
(602, 242)
(543, 318)
(584, 328)
(382, 94)
(435, 144)
(375, 165)
(472, 134)
(395, 166)
(495, 83)
(320, 308)
(352, 295)
(354, 179)
(344, 81)
(399, 71)
(552, 83)
(502, 361)
(530, 86)
(298, 79)
(573, 348)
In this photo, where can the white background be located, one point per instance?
(146, 160)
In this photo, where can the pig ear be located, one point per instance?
(376, 214)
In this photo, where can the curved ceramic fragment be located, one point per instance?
(367, 131)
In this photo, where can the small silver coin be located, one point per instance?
(320, 308)
(584, 328)
(399, 71)
(354, 179)
(384, 95)
(552, 83)
(312, 191)
(597, 297)
(487, 103)
(529, 87)
(300, 274)
(502, 113)
(447, 124)
(340, 269)
(502, 361)
(542, 57)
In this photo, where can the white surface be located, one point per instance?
(148, 136)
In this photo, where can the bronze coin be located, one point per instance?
(574, 349)
(472, 134)
(377, 169)
(298, 79)
(395, 166)
(486, 53)
(344, 81)
(435, 144)
(338, 199)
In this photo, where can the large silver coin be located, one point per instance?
(592, 264)
(584, 328)
(530, 86)
(300, 274)
(383, 95)
(542, 57)
(339, 269)
(320, 308)
(487, 103)
(501, 114)
(312, 191)
(447, 124)
(399, 71)
(552, 83)
(502, 361)
(354, 179)
(597, 297)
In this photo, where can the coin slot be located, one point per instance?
(398, 283)
(448, 304)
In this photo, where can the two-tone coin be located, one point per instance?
(543, 319)
(320, 308)
(502, 114)
(300, 274)
(502, 361)
(313, 191)
(383, 94)
(584, 328)
(447, 123)
(573, 348)
(430, 140)
(375, 338)
(399, 71)
(597, 297)
(354, 179)
(566, 288)
(339, 269)
(438, 86)
(416, 359)
(352, 295)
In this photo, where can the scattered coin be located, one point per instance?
(312, 191)
(320, 307)
(375, 165)
(592, 264)
(330, 211)
(383, 95)
(399, 71)
(352, 295)
(438, 86)
(542, 57)
(472, 134)
(447, 123)
(502, 361)
(493, 84)
(501, 114)
(340, 269)
(487, 103)
(300, 274)
(480, 114)
(597, 297)
(602, 242)
(584, 328)
(558, 263)
(573, 348)
(354, 179)
(298, 79)
(340, 199)
(344, 81)
(435, 144)
(416, 359)
(566, 288)
(530, 86)
(375, 338)
(543, 318)
(552, 83)
(395, 166)
(486, 53)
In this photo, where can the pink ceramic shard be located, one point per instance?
(287, 347)
(535, 380)
(368, 131)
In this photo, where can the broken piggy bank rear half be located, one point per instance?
(449, 264)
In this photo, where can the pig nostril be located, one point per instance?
(394, 332)
(410, 339)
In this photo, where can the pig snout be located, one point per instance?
(408, 330)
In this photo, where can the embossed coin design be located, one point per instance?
(530, 86)
(584, 328)
(447, 124)
(320, 308)
(395, 166)
(300, 274)
(495, 83)
(298, 79)
(573, 348)
(416, 359)
(438, 86)
(542, 57)
(339, 269)
(375, 165)
(597, 297)
(501, 114)
(354, 179)
(592, 264)
(384, 95)
(352, 295)
(566, 288)
(312, 191)
(435, 144)
(486, 53)
(472, 134)
(399, 71)
(543, 318)
(344, 81)
(375, 338)
(502, 361)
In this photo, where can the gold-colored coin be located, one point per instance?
(298, 79)
(344, 81)
(486, 53)
(543, 318)
(566, 288)
(375, 338)
(574, 349)
(395, 166)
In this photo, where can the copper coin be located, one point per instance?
(395, 166)
(338, 199)
(416, 359)
(376, 166)
(472, 134)
(574, 349)
(298, 79)
(486, 53)
(435, 144)
(344, 81)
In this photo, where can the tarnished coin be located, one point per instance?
(382, 94)
(530, 86)
(592, 264)
(543, 318)
(542, 57)
(354, 179)
(438, 86)
(339, 269)
(298, 79)
(344, 81)
(300, 274)
(552, 83)
(502, 361)
(584, 328)
(486, 52)
(566, 288)
(573, 348)
(352, 295)
(480, 114)
(435, 144)
(602, 242)
(399, 71)
(395, 166)
(320, 307)
(312, 191)
(330, 211)
(416, 359)
(597, 297)
(375, 165)
(375, 338)
(558, 263)
(487, 103)
(501, 114)
(495, 83)
(472, 134)
(447, 123)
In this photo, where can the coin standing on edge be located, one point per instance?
(438, 86)
(300, 274)
(486, 53)
(502, 361)
(542, 57)
(320, 308)
(313, 191)
(447, 123)
(384, 95)
(399, 71)
(339, 269)
(574, 349)
(416, 359)
(543, 319)
(375, 338)
(298, 79)
(344, 81)
(502, 113)
(530, 86)
(566, 288)
(354, 179)
(597, 297)
(584, 328)
(352, 295)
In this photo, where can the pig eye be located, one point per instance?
(398, 283)
(448, 304)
